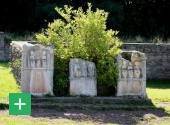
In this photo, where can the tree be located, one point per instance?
(146, 18)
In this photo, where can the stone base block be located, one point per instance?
(133, 88)
(83, 86)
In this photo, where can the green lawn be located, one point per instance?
(158, 91)
(21, 120)
(7, 82)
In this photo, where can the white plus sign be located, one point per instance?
(19, 103)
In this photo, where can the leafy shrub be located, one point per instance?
(16, 69)
(82, 35)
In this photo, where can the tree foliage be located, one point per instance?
(82, 34)
(147, 18)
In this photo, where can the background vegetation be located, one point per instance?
(145, 18)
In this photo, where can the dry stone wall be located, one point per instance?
(157, 64)
(4, 49)
(158, 58)
(2, 57)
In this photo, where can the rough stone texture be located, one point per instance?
(2, 55)
(36, 67)
(132, 74)
(4, 48)
(158, 58)
(82, 77)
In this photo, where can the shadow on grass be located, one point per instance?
(123, 117)
(4, 106)
(161, 84)
(129, 113)
(4, 64)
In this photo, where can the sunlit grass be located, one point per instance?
(6, 119)
(7, 82)
(159, 90)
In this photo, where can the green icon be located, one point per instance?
(19, 104)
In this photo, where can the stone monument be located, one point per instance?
(36, 68)
(82, 77)
(132, 74)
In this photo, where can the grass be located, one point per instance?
(21, 120)
(158, 91)
(7, 82)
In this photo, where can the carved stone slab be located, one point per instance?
(82, 77)
(37, 68)
(132, 74)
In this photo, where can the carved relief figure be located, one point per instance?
(38, 60)
(91, 70)
(32, 59)
(84, 69)
(124, 69)
(77, 68)
(44, 60)
(130, 70)
(137, 70)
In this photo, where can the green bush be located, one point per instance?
(82, 35)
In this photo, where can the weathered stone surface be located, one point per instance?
(2, 55)
(4, 48)
(82, 77)
(132, 74)
(36, 68)
(158, 58)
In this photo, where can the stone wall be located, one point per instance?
(158, 58)
(2, 46)
(4, 49)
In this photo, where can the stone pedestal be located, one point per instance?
(82, 77)
(132, 74)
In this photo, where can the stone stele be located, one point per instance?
(82, 77)
(132, 74)
(37, 69)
